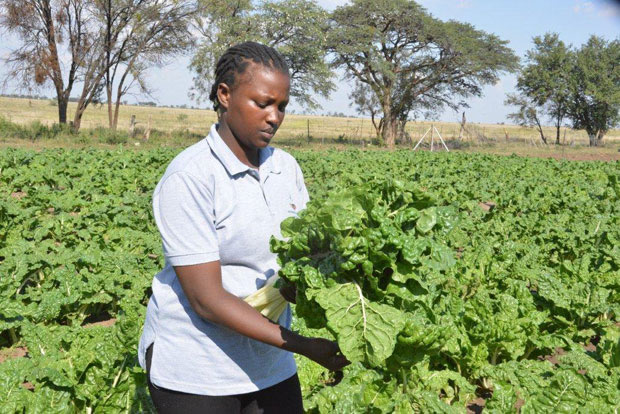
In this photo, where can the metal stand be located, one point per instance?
(432, 127)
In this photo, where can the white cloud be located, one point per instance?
(581, 6)
(463, 4)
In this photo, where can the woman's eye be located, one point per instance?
(261, 105)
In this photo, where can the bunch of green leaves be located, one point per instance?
(351, 255)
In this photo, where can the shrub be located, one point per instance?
(33, 131)
(105, 135)
(8, 129)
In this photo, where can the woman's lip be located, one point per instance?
(268, 134)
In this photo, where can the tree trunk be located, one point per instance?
(540, 131)
(390, 131)
(77, 120)
(403, 137)
(557, 134)
(62, 109)
(111, 123)
(389, 126)
(116, 111)
(375, 125)
(119, 95)
(593, 139)
(599, 140)
(79, 111)
(542, 136)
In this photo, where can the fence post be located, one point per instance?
(147, 133)
(308, 129)
(132, 126)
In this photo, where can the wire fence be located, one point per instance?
(299, 129)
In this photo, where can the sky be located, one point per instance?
(517, 21)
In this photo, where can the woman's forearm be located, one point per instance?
(232, 312)
(202, 285)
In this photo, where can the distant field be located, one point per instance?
(323, 131)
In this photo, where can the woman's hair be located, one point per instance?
(236, 60)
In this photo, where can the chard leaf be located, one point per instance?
(366, 330)
(566, 394)
(427, 220)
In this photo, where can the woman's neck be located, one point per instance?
(248, 156)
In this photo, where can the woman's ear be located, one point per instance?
(223, 95)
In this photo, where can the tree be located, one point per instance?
(296, 28)
(595, 88)
(411, 61)
(527, 114)
(50, 30)
(93, 44)
(545, 80)
(139, 34)
(367, 103)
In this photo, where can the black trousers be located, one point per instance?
(284, 397)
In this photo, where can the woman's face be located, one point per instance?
(254, 106)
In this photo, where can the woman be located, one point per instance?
(219, 202)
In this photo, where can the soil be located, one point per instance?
(13, 353)
(107, 323)
(19, 194)
(476, 406)
(487, 205)
(520, 402)
(553, 358)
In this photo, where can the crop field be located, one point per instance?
(454, 282)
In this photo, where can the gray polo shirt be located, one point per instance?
(210, 206)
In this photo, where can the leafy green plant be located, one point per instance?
(515, 303)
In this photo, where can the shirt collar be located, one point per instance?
(230, 161)
(267, 162)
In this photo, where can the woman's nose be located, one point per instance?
(273, 117)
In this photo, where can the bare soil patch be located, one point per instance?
(19, 194)
(13, 353)
(476, 406)
(487, 205)
(107, 323)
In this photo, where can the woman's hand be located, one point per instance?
(288, 290)
(326, 353)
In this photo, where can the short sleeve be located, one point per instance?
(301, 186)
(184, 213)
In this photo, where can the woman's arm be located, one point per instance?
(202, 285)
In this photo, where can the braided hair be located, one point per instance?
(236, 60)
